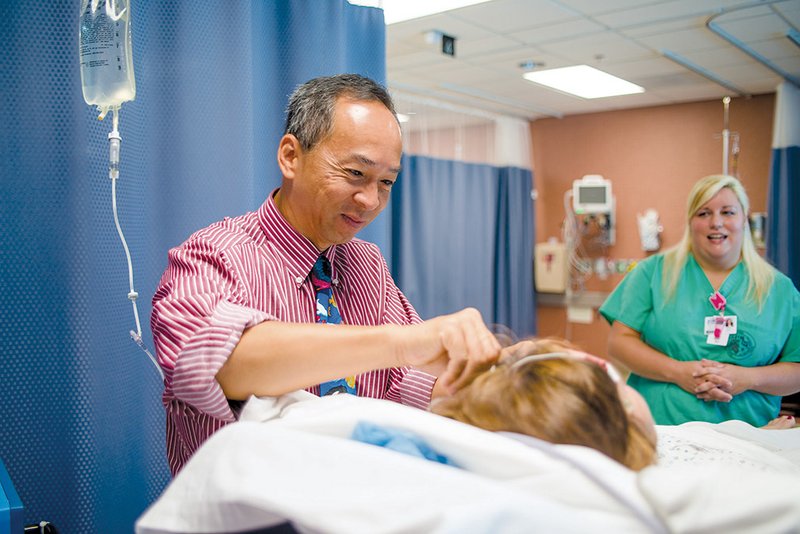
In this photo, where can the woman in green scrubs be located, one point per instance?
(709, 330)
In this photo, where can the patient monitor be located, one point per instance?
(592, 194)
(592, 199)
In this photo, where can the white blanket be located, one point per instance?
(291, 458)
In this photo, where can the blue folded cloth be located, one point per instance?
(397, 440)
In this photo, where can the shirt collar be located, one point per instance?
(298, 251)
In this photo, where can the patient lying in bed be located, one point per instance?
(294, 459)
(550, 390)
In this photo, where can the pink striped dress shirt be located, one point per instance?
(239, 272)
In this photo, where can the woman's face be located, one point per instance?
(717, 229)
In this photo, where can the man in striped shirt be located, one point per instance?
(234, 313)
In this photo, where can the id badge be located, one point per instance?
(718, 329)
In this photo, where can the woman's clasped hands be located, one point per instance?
(716, 381)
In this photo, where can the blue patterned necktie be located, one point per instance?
(328, 313)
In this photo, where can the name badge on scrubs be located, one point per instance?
(718, 328)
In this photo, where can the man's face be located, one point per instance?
(343, 183)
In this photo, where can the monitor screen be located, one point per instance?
(592, 194)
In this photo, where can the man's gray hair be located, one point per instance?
(309, 115)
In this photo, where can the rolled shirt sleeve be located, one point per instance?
(196, 324)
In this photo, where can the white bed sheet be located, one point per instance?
(290, 458)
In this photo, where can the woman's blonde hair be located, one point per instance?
(560, 400)
(760, 273)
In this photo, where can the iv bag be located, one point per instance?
(106, 53)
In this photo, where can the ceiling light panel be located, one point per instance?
(583, 81)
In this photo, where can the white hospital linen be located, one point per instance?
(261, 470)
(733, 444)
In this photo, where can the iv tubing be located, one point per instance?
(113, 173)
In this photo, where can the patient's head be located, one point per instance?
(550, 390)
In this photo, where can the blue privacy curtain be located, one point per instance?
(462, 235)
(81, 416)
(783, 221)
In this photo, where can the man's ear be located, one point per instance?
(289, 151)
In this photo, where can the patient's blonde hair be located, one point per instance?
(560, 400)
(760, 272)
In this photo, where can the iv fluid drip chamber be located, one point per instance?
(106, 53)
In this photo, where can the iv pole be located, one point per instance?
(730, 144)
(725, 134)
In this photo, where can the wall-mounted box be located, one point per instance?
(550, 267)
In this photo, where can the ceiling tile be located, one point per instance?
(479, 48)
(639, 70)
(790, 10)
(778, 48)
(713, 59)
(558, 31)
(755, 28)
(607, 46)
(509, 16)
(594, 7)
(664, 27)
(652, 12)
(683, 40)
(790, 64)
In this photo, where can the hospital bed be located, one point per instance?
(292, 461)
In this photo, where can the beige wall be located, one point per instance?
(652, 157)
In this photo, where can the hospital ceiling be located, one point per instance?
(678, 50)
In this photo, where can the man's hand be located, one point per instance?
(456, 348)
(519, 350)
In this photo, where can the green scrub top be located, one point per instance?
(676, 328)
